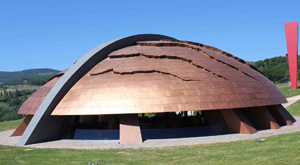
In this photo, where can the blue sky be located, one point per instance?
(54, 34)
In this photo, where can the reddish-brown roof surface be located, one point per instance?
(168, 76)
(31, 105)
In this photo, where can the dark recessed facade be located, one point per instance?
(142, 86)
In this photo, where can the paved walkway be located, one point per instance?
(5, 139)
(291, 100)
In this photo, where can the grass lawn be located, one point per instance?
(287, 91)
(280, 149)
(5, 125)
(294, 109)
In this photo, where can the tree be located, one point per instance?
(18, 93)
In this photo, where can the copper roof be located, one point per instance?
(31, 105)
(168, 76)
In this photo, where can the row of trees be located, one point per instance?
(9, 113)
(276, 69)
(28, 80)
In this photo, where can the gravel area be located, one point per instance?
(5, 139)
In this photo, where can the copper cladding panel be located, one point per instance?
(21, 128)
(31, 105)
(164, 77)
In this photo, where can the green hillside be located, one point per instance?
(276, 68)
(16, 87)
(4, 76)
(28, 77)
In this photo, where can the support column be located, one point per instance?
(216, 121)
(281, 115)
(263, 118)
(21, 128)
(130, 131)
(237, 122)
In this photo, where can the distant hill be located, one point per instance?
(4, 76)
(30, 76)
(276, 68)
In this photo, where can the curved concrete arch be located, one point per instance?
(43, 126)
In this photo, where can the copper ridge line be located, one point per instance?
(55, 76)
(169, 57)
(142, 71)
(219, 51)
(198, 50)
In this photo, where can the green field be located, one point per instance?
(9, 124)
(281, 149)
(287, 91)
(294, 109)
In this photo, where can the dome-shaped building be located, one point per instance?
(144, 85)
